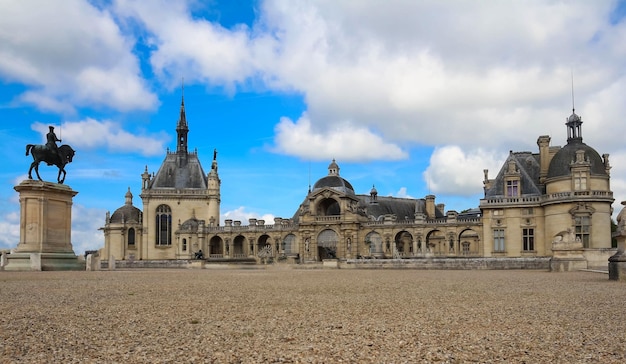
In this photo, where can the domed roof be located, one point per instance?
(126, 213)
(573, 118)
(560, 164)
(334, 181)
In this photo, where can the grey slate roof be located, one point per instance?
(180, 174)
(528, 165)
(126, 213)
(336, 183)
(560, 164)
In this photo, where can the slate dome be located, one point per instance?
(334, 181)
(126, 213)
(560, 164)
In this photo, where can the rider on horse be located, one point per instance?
(51, 138)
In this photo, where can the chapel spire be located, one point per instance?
(182, 128)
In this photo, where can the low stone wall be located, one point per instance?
(541, 263)
(128, 264)
(598, 258)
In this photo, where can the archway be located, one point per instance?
(289, 245)
(327, 244)
(264, 246)
(436, 242)
(375, 243)
(404, 243)
(238, 246)
(216, 247)
(328, 207)
(468, 242)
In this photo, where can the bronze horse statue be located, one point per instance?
(42, 153)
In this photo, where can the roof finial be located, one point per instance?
(182, 86)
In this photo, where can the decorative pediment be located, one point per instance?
(582, 208)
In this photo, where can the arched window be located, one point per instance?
(163, 225)
(184, 244)
(131, 236)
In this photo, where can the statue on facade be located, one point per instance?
(51, 155)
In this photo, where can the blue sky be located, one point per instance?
(414, 97)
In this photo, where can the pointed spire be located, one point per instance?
(181, 128)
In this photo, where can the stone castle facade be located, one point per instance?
(534, 200)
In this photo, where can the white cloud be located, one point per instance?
(85, 224)
(240, 214)
(346, 141)
(10, 227)
(455, 171)
(70, 54)
(429, 73)
(93, 134)
(402, 193)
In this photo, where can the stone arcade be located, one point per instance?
(534, 199)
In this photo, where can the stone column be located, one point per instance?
(45, 227)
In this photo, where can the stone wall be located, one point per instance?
(542, 263)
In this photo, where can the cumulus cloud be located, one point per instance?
(457, 172)
(10, 227)
(93, 134)
(240, 214)
(85, 224)
(348, 141)
(76, 55)
(427, 73)
(402, 192)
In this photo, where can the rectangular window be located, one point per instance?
(528, 211)
(498, 240)
(528, 239)
(583, 229)
(512, 188)
(580, 181)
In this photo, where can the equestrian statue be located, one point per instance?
(51, 154)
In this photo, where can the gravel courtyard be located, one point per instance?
(311, 316)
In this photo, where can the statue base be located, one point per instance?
(45, 228)
(617, 262)
(567, 264)
(43, 262)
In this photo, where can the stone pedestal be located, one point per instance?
(567, 253)
(617, 262)
(45, 228)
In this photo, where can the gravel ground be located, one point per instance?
(311, 316)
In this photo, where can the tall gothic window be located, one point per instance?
(582, 226)
(163, 225)
(498, 240)
(528, 239)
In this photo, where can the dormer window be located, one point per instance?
(580, 181)
(512, 188)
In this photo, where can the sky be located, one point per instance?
(412, 97)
